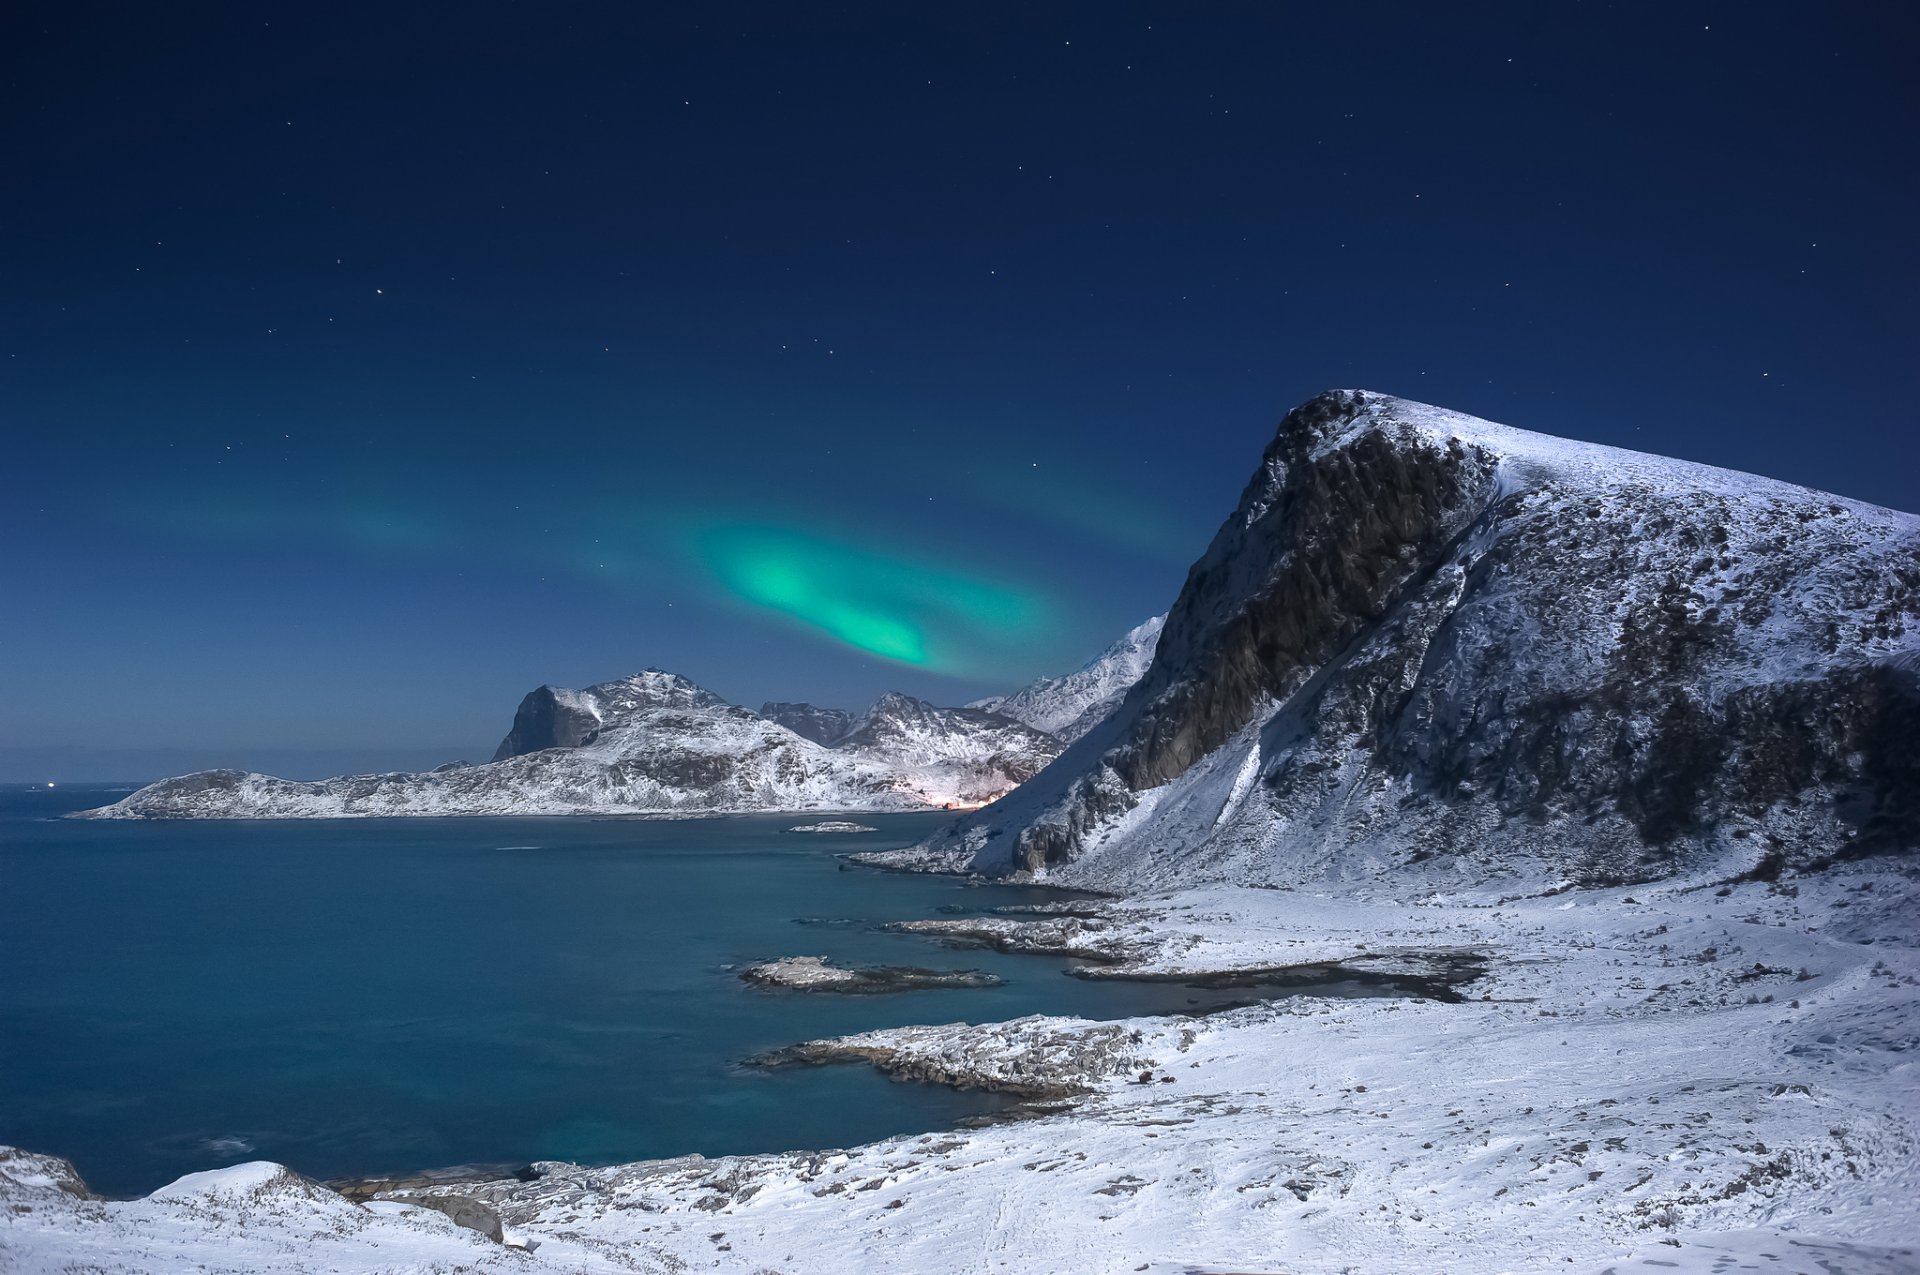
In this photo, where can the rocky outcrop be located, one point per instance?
(26, 1172)
(1423, 638)
(463, 1210)
(1034, 1057)
(818, 974)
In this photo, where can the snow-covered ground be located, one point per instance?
(1683, 1077)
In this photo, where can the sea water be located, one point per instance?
(360, 997)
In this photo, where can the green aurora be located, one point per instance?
(913, 611)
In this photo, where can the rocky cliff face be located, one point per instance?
(1426, 641)
(1068, 707)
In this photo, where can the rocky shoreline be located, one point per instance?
(1690, 1072)
(818, 974)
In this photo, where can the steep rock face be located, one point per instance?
(556, 717)
(1424, 639)
(827, 726)
(1068, 707)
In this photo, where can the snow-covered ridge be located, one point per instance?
(1068, 707)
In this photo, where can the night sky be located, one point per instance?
(362, 368)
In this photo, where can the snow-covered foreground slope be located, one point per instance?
(654, 743)
(1674, 1078)
(1428, 645)
(1068, 707)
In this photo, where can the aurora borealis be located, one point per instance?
(360, 371)
(916, 613)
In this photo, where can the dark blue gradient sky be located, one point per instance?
(361, 368)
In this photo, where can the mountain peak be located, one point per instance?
(560, 717)
(1422, 636)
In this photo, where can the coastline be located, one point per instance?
(1635, 1069)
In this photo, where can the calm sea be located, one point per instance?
(366, 996)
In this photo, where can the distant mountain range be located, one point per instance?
(657, 743)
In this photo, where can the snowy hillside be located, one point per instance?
(1430, 645)
(1068, 707)
(914, 735)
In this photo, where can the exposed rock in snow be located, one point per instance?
(251, 1217)
(818, 974)
(1428, 642)
(469, 1213)
(1068, 707)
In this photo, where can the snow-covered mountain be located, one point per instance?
(903, 731)
(654, 743)
(1428, 643)
(1068, 707)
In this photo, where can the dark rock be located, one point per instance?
(464, 1210)
(1454, 636)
